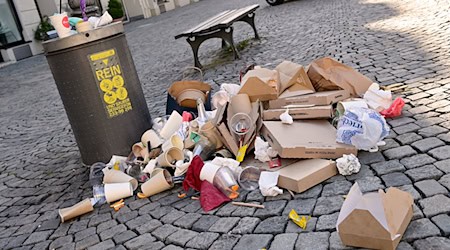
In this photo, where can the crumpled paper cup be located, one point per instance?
(159, 182)
(167, 158)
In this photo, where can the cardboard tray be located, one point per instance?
(321, 112)
(318, 98)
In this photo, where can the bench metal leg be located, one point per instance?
(225, 34)
(250, 19)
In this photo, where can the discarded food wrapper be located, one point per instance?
(395, 109)
(374, 220)
(268, 184)
(305, 174)
(300, 221)
(348, 164)
(363, 128)
(378, 99)
(286, 118)
(329, 74)
(82, 207)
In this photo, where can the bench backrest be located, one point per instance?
(221, 20)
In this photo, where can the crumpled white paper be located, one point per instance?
(348, 164)
(263, 152)
(286, 118)
(231, 88)
(268, 184)
(378, 99)
(220, 98)
(100, 21)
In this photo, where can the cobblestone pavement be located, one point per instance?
(390, 41)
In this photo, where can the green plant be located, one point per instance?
(115, 9)
(44, 26)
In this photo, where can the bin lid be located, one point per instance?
(83, 37)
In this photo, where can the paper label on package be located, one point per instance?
(109, 76)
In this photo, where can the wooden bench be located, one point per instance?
(219, 26)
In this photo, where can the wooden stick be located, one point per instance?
(236, 203)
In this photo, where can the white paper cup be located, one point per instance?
(82, 207)
(61, 24)
(117, 191)
(347, 105)
(152, 137)
(115, 176)
(172, 125)
(167, 157)
(137, 149)
(159, 182)
(174, 141)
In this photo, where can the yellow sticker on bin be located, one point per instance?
(300, 221)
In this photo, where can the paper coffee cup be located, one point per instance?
(174, 141)
(171, 155)
(117, 191)
(61, 24)
(82, 207)
(347, 105)
(115, 176)
(210, 131)
(137, 149)
(172, 125)
(159, 182)
(83, 27)
(152, 137)
(241, 104)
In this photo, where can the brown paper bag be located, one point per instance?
(261, 84)
(293, 80)
(328, 74)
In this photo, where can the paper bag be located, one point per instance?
(261, 84)
(328, 74)
(293, 80)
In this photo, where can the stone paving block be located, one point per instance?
(37, 237)
(417, 161)
(369, 158)
(164, 231)
(423, 173)
(224, 225)
(411, 190)
(283, 242)
(427, 144)
(225, 242)
(443, 222)
(440, 153)
(102, 245)
(96, 220)
(327, 222)
(253, 241)
(400, 121)
(134, 205)
(138, 221)
(404, 246)
(60, 231)
(181, 237)
(417, 213)
(395, 179)
(336, 243)
(419, 110)
(387, 167)
(172, 247)
(139, 242)
(110, 233)
(244, 211)
(432, 131)
(445, 181)
(408, 138)
(365, 171)
(310, 193)
(420, 229)
(192, 208)
(432, 242)
(327, 205)
(204, 223)
(435, 205)
(271, 208)
(44, 245)
(28, 229)
(369, 184)
(16, 241)
(255, 195)
(148, 226)
(336, 188)
(390, 143)
(246, 225)
(315, 240)
(46, 225)
(85, 233)
(418, 96)
(226, 210)
(61, 241)
(430, 188)
(106, 225)
(284, 196)
(429, 121)
(301, 206)
(187, 220)
(400, 152)
(444, 137)
(410, 127)
(124, 236)
(87, 242)
(444, 166)
(149, 207)
(272, 225)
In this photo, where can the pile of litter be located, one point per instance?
(322, 115)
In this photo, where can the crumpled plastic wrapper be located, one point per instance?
(268, 184)
(348, 164)
(286, 118)
(263, 152)
(378, 99)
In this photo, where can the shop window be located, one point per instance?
(10, 30)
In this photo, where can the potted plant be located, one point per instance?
(44, 26)
(115, 10)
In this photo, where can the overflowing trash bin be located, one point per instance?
(100, 89)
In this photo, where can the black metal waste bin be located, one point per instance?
(100, 89)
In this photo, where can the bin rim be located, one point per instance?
(83, 37)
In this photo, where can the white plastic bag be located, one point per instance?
(363, 128)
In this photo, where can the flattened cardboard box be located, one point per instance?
(323, 112)
(305, 139)
(318, 98)
(305, 174)
(374, 220)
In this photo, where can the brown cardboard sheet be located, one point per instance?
(316, 112)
